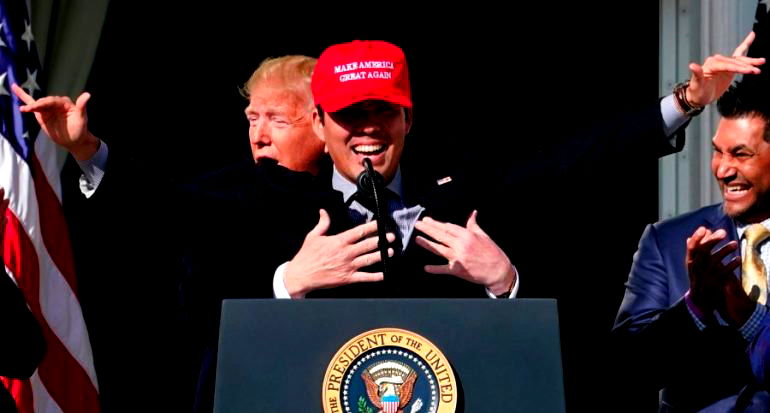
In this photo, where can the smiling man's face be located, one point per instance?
(741, 166)
(371, 129)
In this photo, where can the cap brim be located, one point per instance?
(334, 104)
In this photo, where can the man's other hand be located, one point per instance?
(472, 254)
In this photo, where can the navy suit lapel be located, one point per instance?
(719, 219)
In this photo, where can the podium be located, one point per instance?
(274, 354)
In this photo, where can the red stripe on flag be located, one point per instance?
(21, 391)
(64, 378)
(53, 226)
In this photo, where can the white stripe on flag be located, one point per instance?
(43, 401)
(50, 157)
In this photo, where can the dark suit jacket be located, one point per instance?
(272, 210)
(449, 202)
(126, 257)
(22, 346)
(696, 369)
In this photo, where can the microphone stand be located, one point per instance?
(371, 182)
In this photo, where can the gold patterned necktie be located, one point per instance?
(754, 278)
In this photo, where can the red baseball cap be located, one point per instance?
(349, 73)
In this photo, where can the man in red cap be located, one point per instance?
(364, 110)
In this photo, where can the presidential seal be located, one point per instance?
(389, 370)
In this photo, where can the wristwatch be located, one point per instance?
(680, 96)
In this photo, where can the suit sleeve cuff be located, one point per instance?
(93, 170)
(697, 315)
(279, 287)
(514, 290)
(752, 326)
(673, 119)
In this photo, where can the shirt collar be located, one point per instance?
(741, 227)
(341, 184)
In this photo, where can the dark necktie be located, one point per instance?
(387, 219)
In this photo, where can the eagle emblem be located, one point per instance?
(389, 385)
(389, 370)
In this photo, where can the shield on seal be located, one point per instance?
(390, 403)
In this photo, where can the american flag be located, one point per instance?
(36, 249)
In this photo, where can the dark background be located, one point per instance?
(491, 88)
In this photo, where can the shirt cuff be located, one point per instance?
(514, 290)
(754, 323)
(673, 119)
(93, 170)
(697, 315)
(279, 287)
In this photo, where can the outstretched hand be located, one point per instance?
(326, 261)
(64, 121)
(711, 79)
(472, 254)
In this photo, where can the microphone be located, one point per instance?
(369, 181)
(371, 184)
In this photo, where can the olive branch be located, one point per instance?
(363, 407)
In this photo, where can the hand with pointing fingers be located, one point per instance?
(472, 254)
(66, 122)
